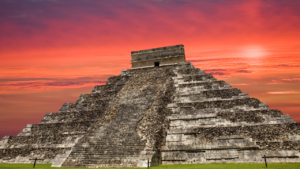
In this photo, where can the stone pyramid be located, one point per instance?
(163, 110)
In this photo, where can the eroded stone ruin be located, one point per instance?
(163, 109)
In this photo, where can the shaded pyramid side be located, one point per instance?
(57, 133)
(213, 122)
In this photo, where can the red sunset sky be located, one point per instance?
(51, 51)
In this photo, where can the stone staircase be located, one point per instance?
(116, 145)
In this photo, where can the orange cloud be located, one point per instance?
(240, 84)
(275, 82)
(42, 84)
(292, 79)
(284, 92)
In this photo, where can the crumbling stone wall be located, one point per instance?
(260, 133)
(224, 104)
(282, 145)
(197, 77)
(206, 85)
(249, 116)
(43, 153)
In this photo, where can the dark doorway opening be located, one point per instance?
(156, 64)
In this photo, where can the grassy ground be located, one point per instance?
(186, 166)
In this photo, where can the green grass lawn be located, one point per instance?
(185, 166)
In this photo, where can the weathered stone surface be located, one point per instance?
(134, 127)
(273, 132)
(163, 56)
(172, 114)
(211, 122)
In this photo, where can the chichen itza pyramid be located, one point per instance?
(164, 110)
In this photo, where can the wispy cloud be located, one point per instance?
(48, 84)
(285, 81)
(244, 71)
(42, 83)
(207, 60)
(275, 82)
(284, 92)
(292, 79)
(226, 72)
(220, 72)
(240, 84)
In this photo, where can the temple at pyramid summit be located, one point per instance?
(163, 110)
